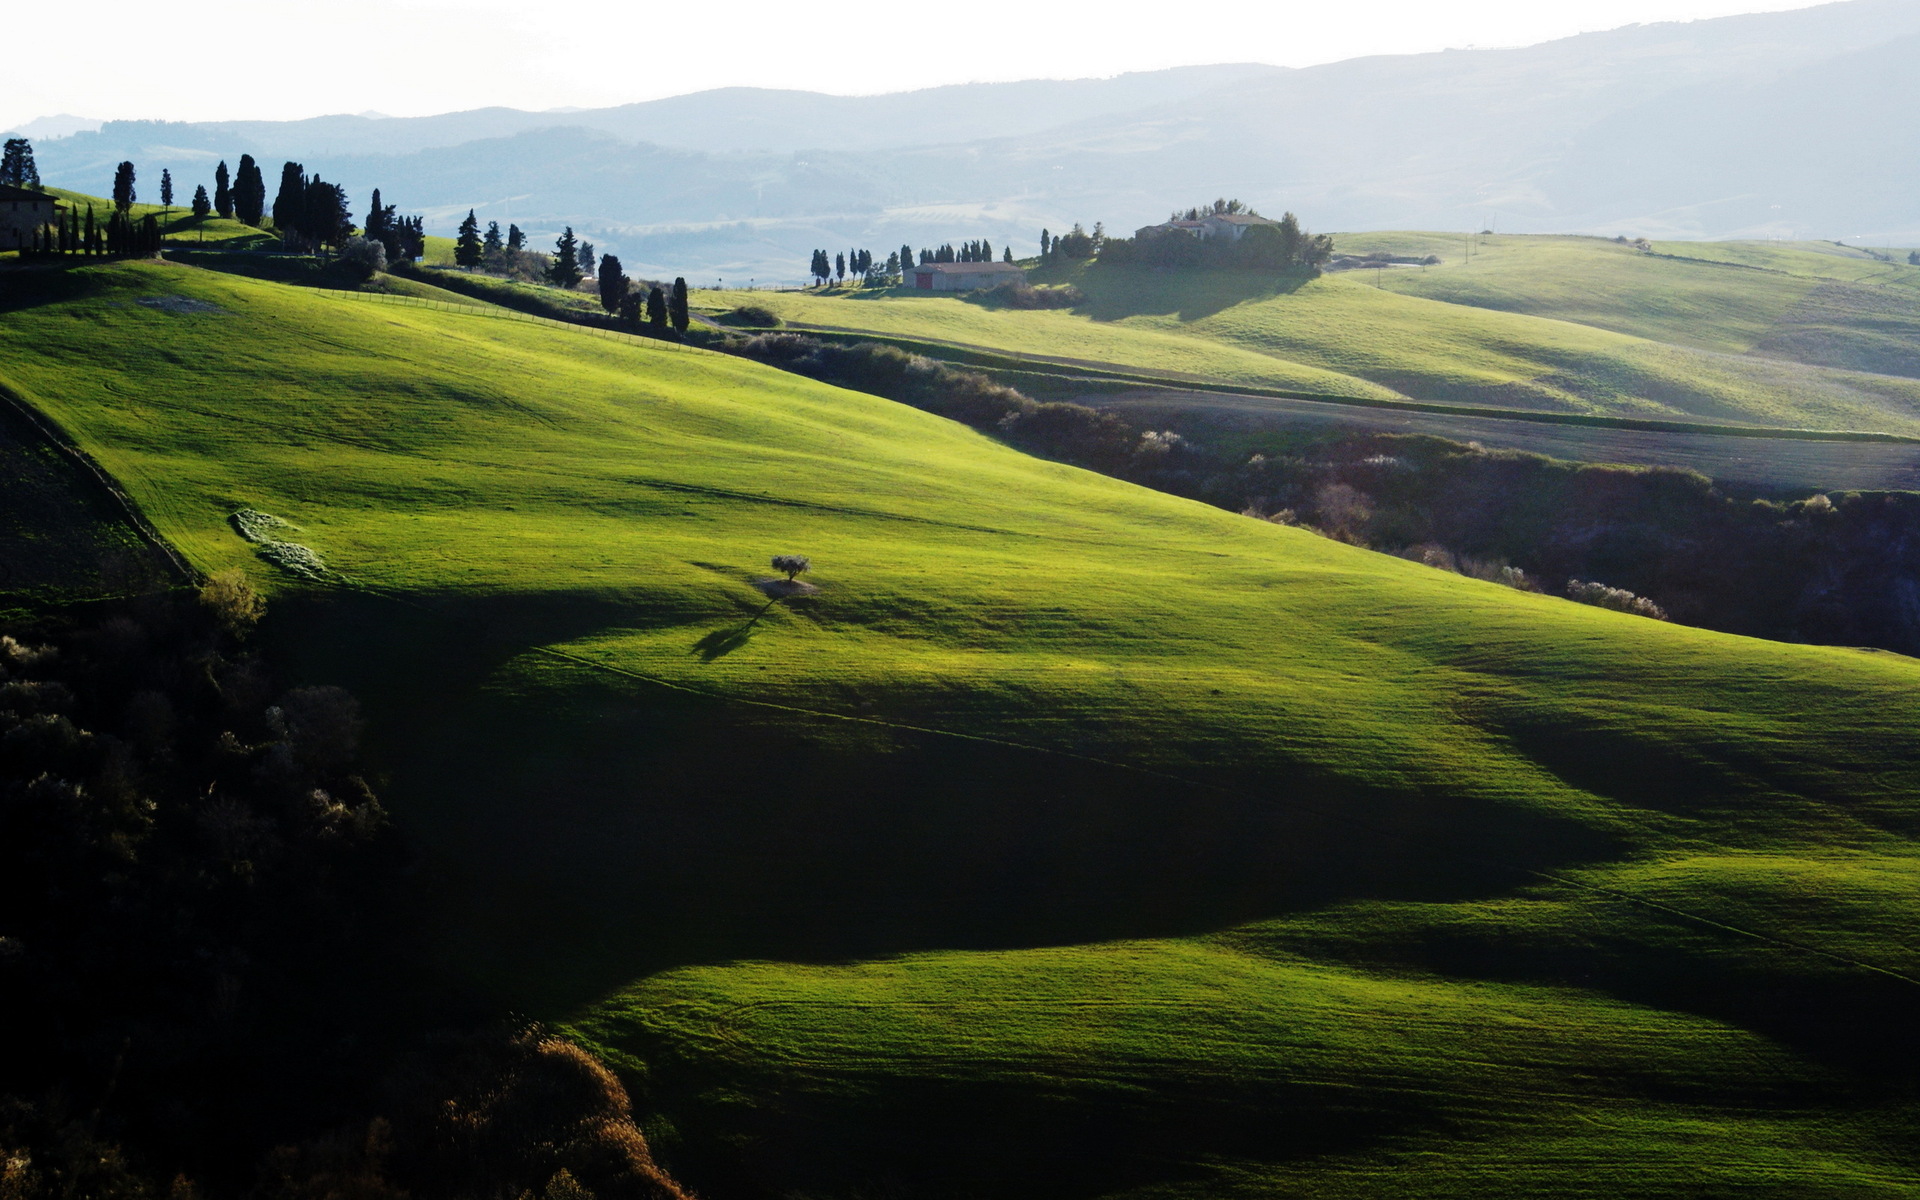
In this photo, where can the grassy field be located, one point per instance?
(1813, 303)
(1074, 839)
(1537, 330)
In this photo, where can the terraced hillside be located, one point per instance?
(1531, 324)
(1073, 839)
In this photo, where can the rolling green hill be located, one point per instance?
(1813, 303)
(1545, 324)
(1073, 839)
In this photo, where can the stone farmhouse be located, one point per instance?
(1232, 226)
(963, 277)
(22, 213)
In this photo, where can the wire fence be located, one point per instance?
(479, 309)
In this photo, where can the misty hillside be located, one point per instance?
(1785, 124)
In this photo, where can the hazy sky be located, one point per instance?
(410, 57)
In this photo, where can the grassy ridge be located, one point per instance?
(1813, 303)
(1343, 335)
(1030, 707)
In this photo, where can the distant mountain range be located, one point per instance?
(1795, 124)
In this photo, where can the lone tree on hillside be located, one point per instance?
(222, 190)
(613, 284)
(466, 247)
(16, 165)
(123, 193)
(792, 564)
(565, 271)
(677, 306)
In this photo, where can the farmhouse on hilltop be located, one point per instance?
(963, 277)
(22, 213)
(1232, 226)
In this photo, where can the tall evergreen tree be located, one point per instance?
(677, 306)
(291, 198)
(1046, 244)
(906, 256)
(565, 270)
(222, 190)
(986, 250)
(376, 219)
(613, 284)
(515, 239)
(166, 189)
(1006, 255)
(16, 165)
(249, 192)
(466, 247)
(123, 193)
(491, 245)
(201, 205)
(657, 309)
(839, 266)
(324, 218)
(585, 257)
(90, 243)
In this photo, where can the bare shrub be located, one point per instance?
(321, 725)
(1617, 599)
(1342, 511)
(232, 600)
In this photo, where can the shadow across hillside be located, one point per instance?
(580, 827)
(1115, 293)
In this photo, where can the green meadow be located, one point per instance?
(1074, 839)
(1555, 325)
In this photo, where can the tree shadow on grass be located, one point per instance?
(722, 642)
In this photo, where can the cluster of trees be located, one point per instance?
(969, 252)
(121, 235)
(572, 261)
(17, 167)
(401, 238)
(862, 263)
(1281, 246)
(1076, 245)
(202, 982)
(660, 309)
(243, 196)
(309, 212)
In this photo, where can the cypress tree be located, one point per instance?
(677, 306)
(565, 269)
(906, 256)
(249, 192)
(490, 244)
(585, 257)
(1046, 244)
(123, 193)
(840, 266)
(613, 284)
(166, 189)
(466, 247)
(1007, 254)
(222, 190)
(149, 236)
(657, 309)
(201, 205)
(986, 250)
(92, 243)
(291, 198)
(515, 239)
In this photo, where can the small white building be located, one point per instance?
(963, 277)
(1231, 226)
(22, 213)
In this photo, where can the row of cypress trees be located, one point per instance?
(119, 236)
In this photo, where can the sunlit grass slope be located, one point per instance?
(1353, 877)
(1814, 303)
(178, 225)
(1343, 335)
